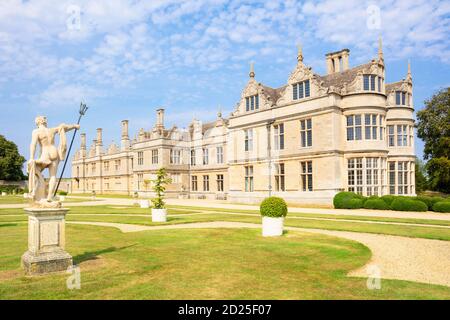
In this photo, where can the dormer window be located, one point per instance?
(401, 98)
(252, 103)
(301, 90)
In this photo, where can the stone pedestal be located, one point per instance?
(46, 241)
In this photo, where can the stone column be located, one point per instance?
(46, 241)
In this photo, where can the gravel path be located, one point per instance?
(400, 258)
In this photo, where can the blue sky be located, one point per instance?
(126, 58)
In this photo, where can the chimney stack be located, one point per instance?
(99, 137)
(83, 141)
(125, 142)
(160, 118)
(337, 61)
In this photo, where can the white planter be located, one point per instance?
(145, 204)
(62, 198)
(272, 227)
(159, 215)
(3, 194)
(25, 195)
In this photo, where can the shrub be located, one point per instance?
(443, 206)
(376, 204)
(427, 200)
(436, 200)
(63, 193)
(341, 198)
(274, 207)
(160, 182)
(388, 199)
(404, 204)
(355, 203)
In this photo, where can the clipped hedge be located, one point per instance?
(427, 200)
(342, 199)
(388, 199)
(404, 204)
(63, 193)
(377, 204)
(443, 206)
(274, 207)
(354, 203)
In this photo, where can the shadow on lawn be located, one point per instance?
(8, 225)
(93, 255)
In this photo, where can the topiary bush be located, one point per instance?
(63, 193)
(443, 206)
(340, 200)
(388, 199)
(355, 203)
(377, 204)
(404, 204)
(427, 200)
(274, 207)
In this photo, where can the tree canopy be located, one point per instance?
(11, 162)
(434, 129)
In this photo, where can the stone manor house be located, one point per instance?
(305, 141)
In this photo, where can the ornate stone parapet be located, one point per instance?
(46, 241)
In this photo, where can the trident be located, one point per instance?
(82, 112)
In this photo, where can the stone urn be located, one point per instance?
(159, 215)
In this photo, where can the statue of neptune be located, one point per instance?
(49, 157)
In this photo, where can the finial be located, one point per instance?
(219, 113)
(252, 70)
(380, 49)
(408, 76)
(299, 53)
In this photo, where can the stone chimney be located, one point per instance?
(99, 142)
(337, 61)
(160, 118)
(83, 145)
(125, 142)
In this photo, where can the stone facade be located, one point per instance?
(305, 141)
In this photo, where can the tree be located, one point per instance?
(434, 129)
(159, 188)
(11, 162)
(421, 179)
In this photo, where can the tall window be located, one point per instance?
(252, 103)
(401, 98)
(354, 130)
(279, 177)
(155, 156)
(194, 183)
(402, 174)
(117, 165)
(248, 140)
(372, 174)
(219, 154)
(140, 158)
(355, 175)
(279, 136)
(379, 84)
(193, 157)
(205, 183)
(381, 127)
(391, 172)
(106, 165)
(370, 126)
(402, 135)
(175, 156)
(301, 90)
(391, 136)
(93, 168)
(140, 180)
(248, 178)
(205, 155)
(369, 81)
(306, 175)
(175, 178)
(306, 133)
(220, 182)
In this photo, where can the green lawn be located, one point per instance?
(116, 214)
(19, 199)
(201, 264)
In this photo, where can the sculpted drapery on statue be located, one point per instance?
(49, 158)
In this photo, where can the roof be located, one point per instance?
(337, 79)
